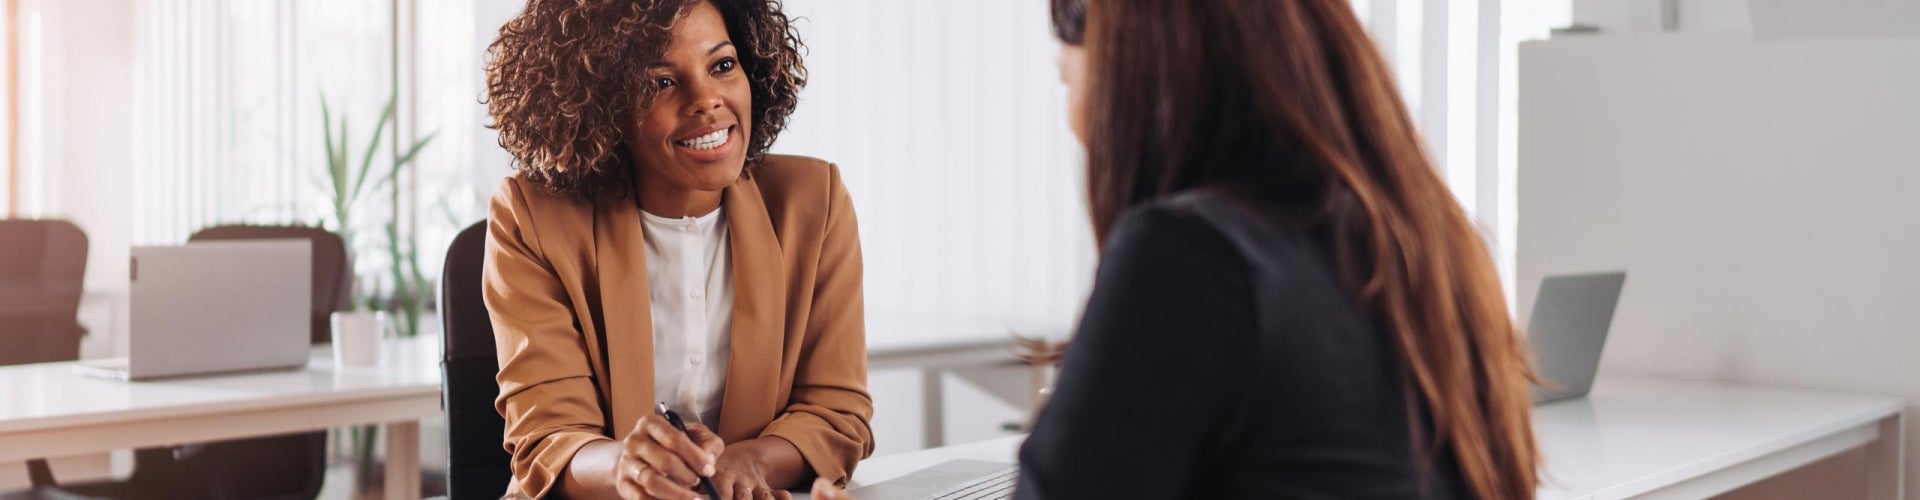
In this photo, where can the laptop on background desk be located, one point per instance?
(215, 307)
(1568, 331)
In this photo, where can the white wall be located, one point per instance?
(948, 121)
(490, 162)
(1761, 196)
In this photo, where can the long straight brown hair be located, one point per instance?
(1288, 101)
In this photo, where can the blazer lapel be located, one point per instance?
(759, 315)
(620, 249)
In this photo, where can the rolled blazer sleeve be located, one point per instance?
(829, 412)
(547, 393)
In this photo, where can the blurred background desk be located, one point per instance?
(49, 410)
(937, 348)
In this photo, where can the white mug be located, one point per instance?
(356, 337)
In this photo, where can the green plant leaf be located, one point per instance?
(401, 162)
(366, 160)
(414, 151)
(405, 159)
(401, 289)
(335, 171)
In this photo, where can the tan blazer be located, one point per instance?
(566, 286)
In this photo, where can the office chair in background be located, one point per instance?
(477, 467)
(43, 266)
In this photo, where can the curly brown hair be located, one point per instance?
(564, 74)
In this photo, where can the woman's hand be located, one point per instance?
(825, 490)
(746, 471)
(658, 461)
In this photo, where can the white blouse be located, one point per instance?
(690, 282)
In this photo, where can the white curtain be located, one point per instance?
(948, 121)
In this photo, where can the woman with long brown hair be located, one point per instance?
(1290, 303)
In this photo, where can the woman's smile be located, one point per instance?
(708, 144)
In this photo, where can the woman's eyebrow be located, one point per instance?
(716, 48)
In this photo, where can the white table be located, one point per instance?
(1636, 438)
(49, 410)
(1641, 439)
(933, 347)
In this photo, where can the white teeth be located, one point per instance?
(709, 141)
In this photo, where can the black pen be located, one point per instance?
(674, 418)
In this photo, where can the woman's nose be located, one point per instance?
(705, 99)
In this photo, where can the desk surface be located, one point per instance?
(1628, 438)
(48, 397)
(1633, 436)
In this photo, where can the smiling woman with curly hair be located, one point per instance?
(648, 249)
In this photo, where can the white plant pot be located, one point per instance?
(356, 337)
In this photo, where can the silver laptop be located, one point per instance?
(214, 307)
(951, 480)
(1568, 330)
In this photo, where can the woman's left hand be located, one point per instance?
(741, 474)
(825, 490)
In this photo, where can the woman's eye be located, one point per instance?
(725, 65)
(663, 82)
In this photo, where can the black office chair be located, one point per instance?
(477, 466)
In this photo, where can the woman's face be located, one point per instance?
(694, 136)
(1073, 72)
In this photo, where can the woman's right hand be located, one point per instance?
(658, 461)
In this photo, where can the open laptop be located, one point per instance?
(950, 480)
(214, 307)
(1568, 330)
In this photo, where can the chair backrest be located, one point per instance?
(332, 269)
(43, 266)
(477, 466)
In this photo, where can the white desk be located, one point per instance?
(933, 347)
(1657, 439)
(48, 410)
(1641, 439)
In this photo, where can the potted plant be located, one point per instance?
(347, 188)
(357, 331)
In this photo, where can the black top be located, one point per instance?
(1219, 357)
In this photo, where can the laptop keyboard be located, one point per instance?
(995, 486)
